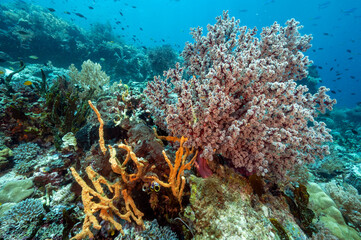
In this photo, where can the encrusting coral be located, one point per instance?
(97, 200)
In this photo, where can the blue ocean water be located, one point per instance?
(200, 161)
(333, 25)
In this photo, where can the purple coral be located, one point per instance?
(242, 100)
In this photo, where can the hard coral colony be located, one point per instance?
(227, 144)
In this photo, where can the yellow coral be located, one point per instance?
(101, 126)
(105, 205)
(176, 180)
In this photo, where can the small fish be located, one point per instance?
(23, 33)
(316, 18)
(134, 6)
(333, 92)
(122, 28)
(33, 57)
(358, 103)
(354, 131)
(243, 10)
(154, 186)
(353, 77)
(320, 48)
(348, 50)
(163, 40)
(90, 7)
(117, 22)
(324, 5)
(326, 34)
(28, 83)
(121, 14)
(331, 69)
(66, 12)
(51, 9)
(349, 11)
(2, 72)
(141, 29)
(319, 67)
(338, 78)
(102, 59)
(350, 58)
(80, 15)
(353, 94)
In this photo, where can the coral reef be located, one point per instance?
(131, 64)
(152, 231)
(161, 58)
(242, 100)
(326, 210)
(5, 154)
(22, 220)
(218, 212)
(231, 143)
(298, 203)
(66, 108)
(16, 191)
(25, 157)
(27, 28)
(91, 78)
(122, 189)
(348, 202)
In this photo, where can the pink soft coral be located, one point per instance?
(242, 100)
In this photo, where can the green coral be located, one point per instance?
(22, 220)
(25, 167)
(328, 214)
(16, 191)
(53, 231)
